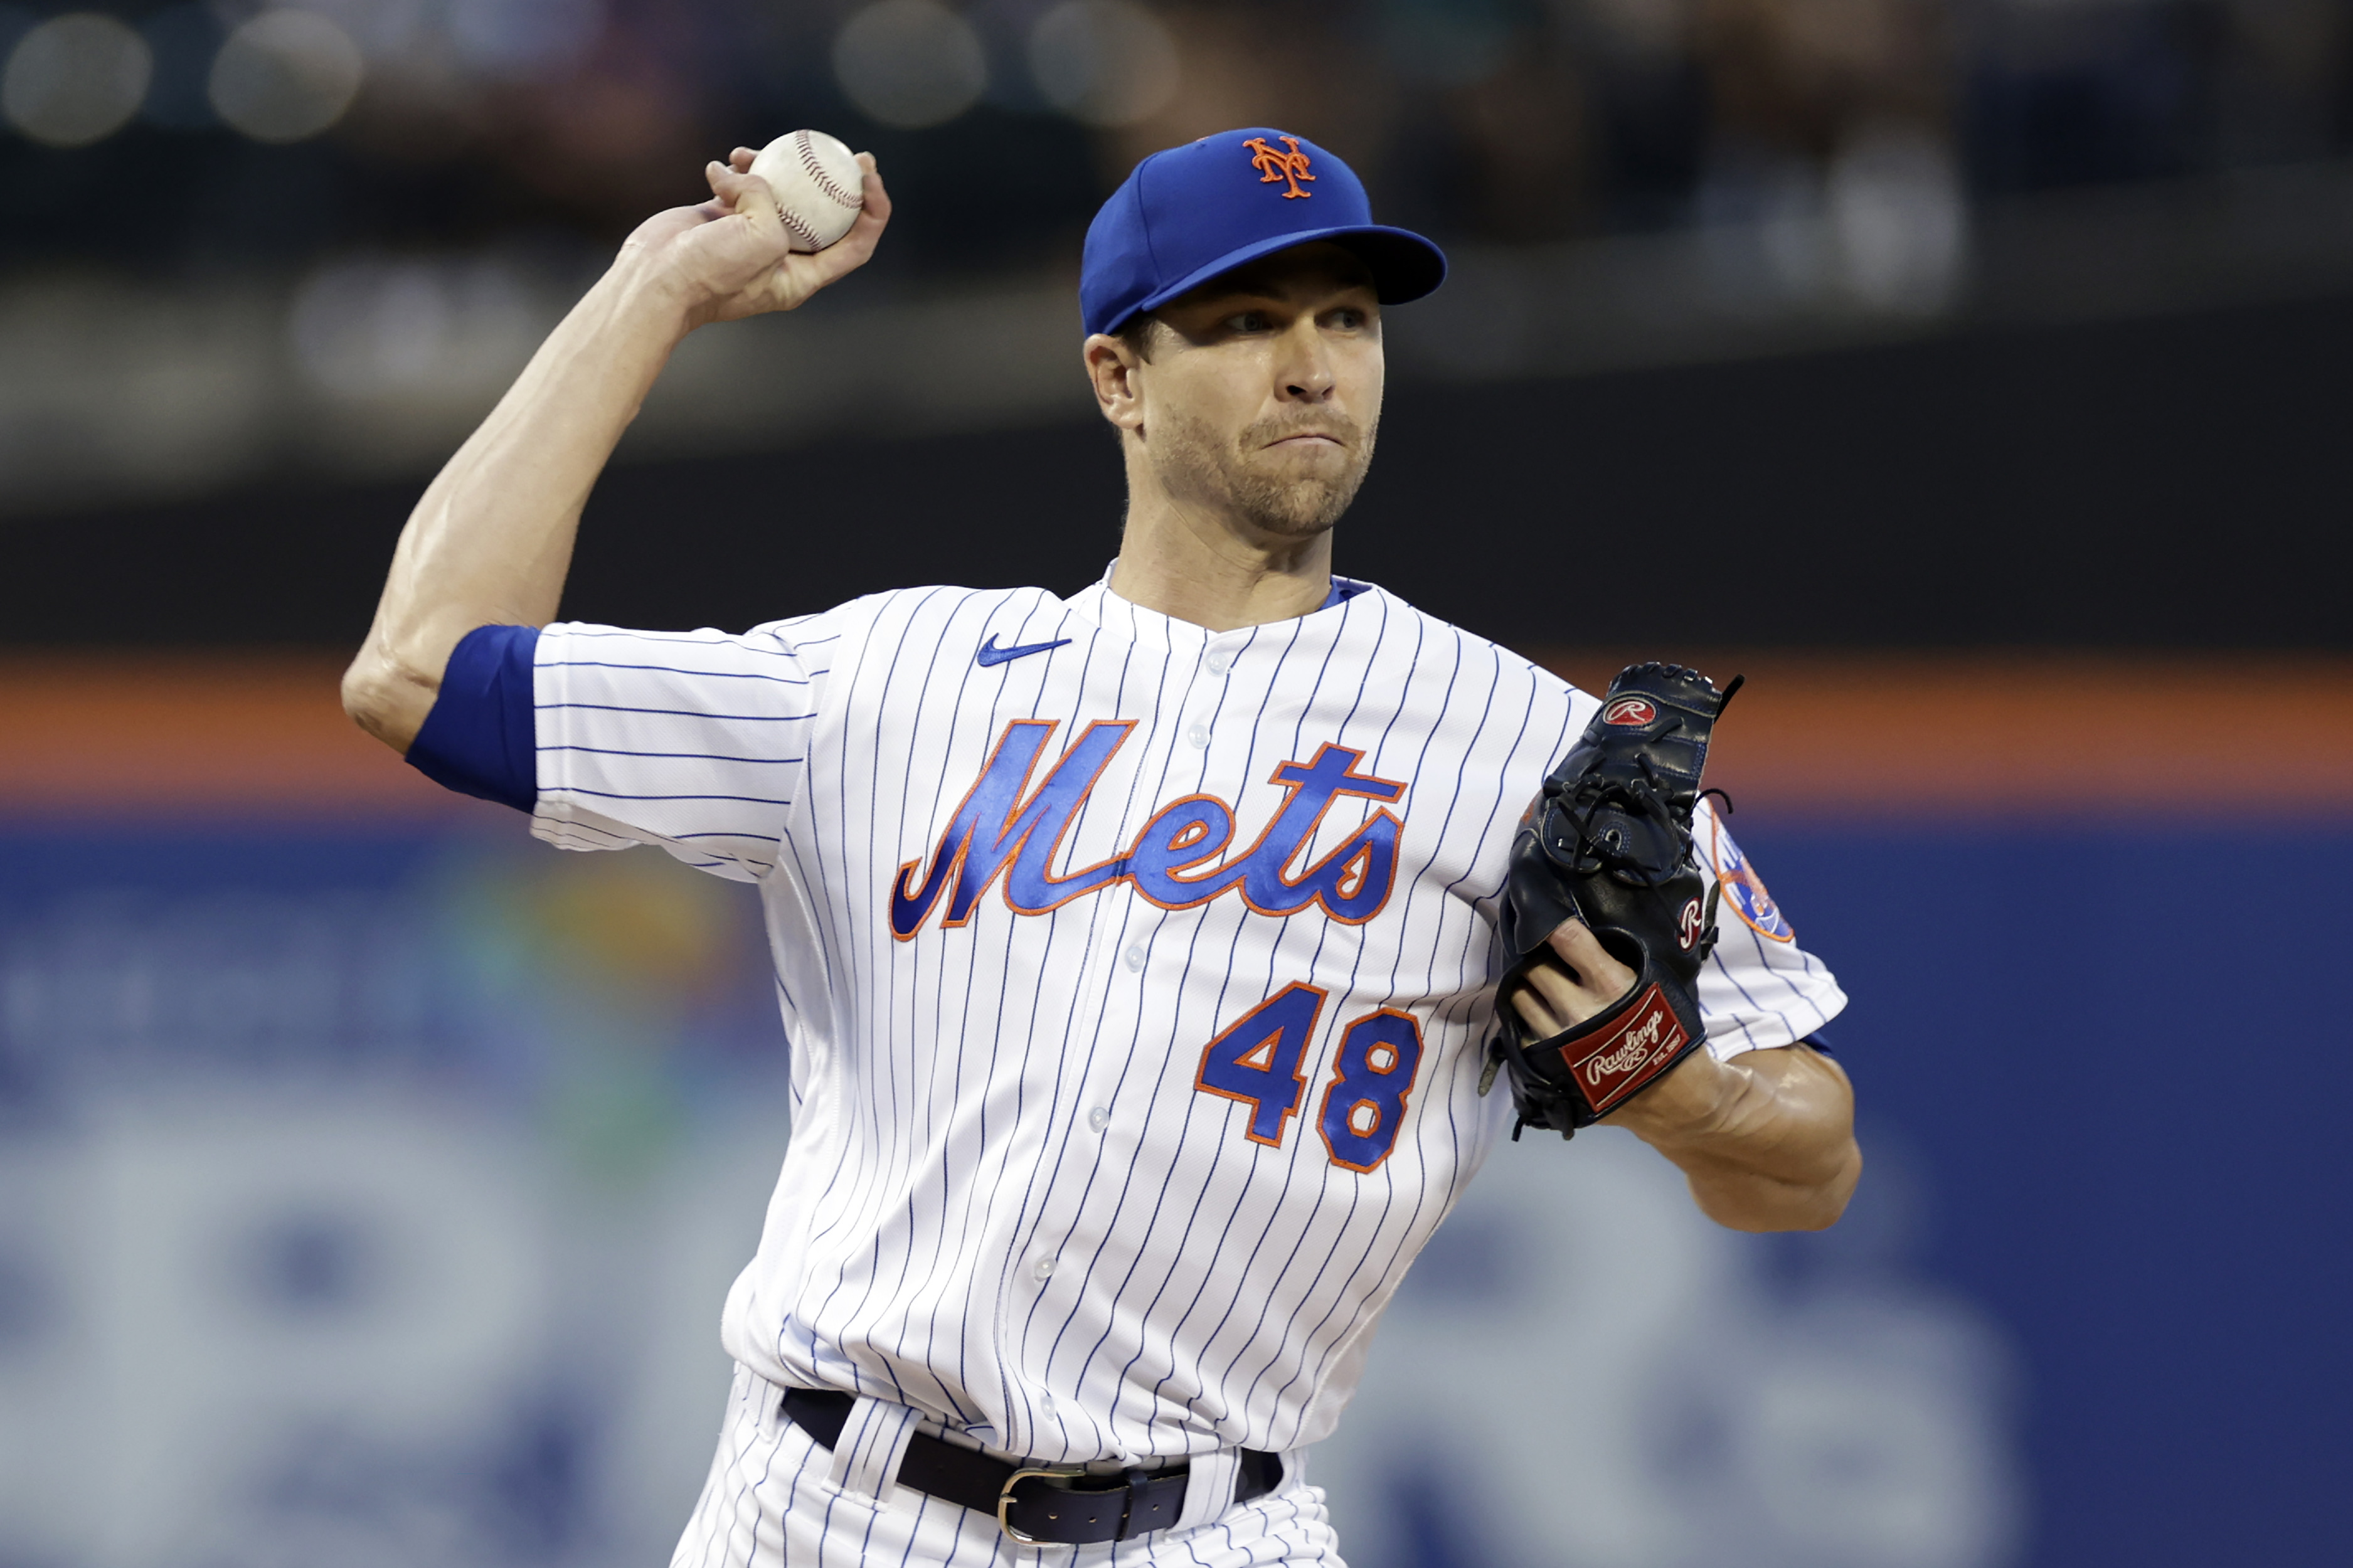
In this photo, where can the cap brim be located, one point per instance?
(1404, 265)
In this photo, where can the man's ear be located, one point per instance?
(1113, 368)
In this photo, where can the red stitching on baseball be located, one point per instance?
(817, 176)
(799, 231)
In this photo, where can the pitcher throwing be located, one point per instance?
(1137, 946)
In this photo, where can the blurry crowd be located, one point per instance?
(208, 133)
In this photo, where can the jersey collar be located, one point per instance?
(1166, 634)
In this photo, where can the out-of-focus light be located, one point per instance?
(384, 30)
(524, 38)
(75, 80)
(910, 63)
(285, 76)
(1900, 219)
(1106, 62)
(375, 331)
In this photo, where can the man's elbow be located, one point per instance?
(387, 701)
(1765, 1205)
(1821, 1207)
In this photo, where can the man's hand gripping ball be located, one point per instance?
(1608, 843)
(733, 257)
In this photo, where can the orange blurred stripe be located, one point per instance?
(1971, 734)
(1906, 735)
(199, 733)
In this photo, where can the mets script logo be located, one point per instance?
(1628, 710)
(1273, 163)
(1004, 829)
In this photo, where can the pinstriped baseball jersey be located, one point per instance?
(1136, 978)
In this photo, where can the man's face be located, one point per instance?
(1262, 397)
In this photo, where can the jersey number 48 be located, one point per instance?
(1256, 1060)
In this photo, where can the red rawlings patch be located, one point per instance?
(1629, 711)
(1628, 1054)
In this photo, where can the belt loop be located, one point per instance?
(1209, 1486)
(873, 1440)
(1135, 1480)
(756, 1395)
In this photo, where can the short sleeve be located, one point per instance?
(696, 742)
(1759, 989)
(477, 739)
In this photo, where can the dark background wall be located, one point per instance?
(2185, 481)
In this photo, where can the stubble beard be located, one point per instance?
(1193, 462)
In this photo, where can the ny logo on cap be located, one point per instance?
(1272, 164)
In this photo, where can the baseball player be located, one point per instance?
(1138, 947)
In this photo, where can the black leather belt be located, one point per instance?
(1060, 1503)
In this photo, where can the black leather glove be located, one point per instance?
(1610, 842)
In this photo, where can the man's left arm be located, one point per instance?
(1767, 1140)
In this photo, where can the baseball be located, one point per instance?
(818, 184)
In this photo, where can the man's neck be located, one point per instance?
(1216, 574)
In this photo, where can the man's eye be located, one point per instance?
(1348, 321)
(1248, 321)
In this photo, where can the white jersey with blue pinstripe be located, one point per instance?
(1137, 981)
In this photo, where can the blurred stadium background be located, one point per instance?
(369, 1178)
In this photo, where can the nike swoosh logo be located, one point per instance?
(991, 654)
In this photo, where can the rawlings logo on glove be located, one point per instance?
(1610, 842)
(1645, 1038)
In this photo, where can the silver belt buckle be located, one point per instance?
(1005, 1497)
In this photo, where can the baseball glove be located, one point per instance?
(1610, 842)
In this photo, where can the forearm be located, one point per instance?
(1766, 1140)
(490, 540)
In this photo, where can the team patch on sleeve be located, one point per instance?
(1744, 890)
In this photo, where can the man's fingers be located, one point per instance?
(1565, 994)
(852, 249)
(737, 189)
(1551, 999)
(872, 216)
(1534, 1014)
(783, 278)
(1583, 953)
(1575, 981)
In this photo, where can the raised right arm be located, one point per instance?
(490, 540)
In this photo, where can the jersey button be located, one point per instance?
(1200, 735)
(1045, 1268)
(1134, 957)
(1220, 662)
(1098, 1119)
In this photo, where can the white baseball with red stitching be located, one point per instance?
(818, 185)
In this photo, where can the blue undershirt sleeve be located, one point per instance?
(481, 739)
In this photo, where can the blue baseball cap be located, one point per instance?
(1189, 212)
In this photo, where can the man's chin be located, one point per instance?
(1299, 510)
(1306, 492)
(1284, 496)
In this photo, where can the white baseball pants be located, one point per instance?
(776, 1500)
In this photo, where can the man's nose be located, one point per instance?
(1306, 366)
